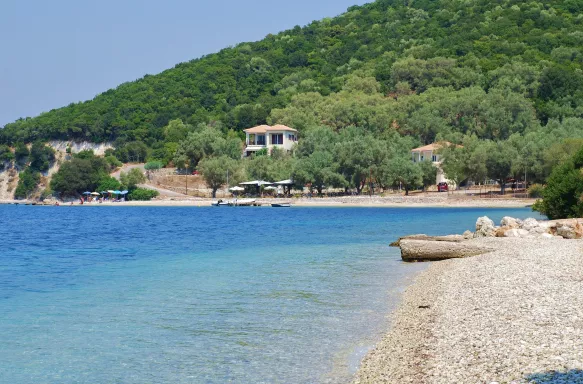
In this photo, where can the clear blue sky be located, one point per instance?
(53, 53)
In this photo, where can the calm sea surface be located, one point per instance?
(202, 295)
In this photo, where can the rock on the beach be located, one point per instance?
(424, 250)
(468, 235)
(516, 232)
(529, 224)
(568, 231)
(510, 222)
(485, 227)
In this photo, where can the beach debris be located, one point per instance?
(485, 227)
(428, 250)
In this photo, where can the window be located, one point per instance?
(260, 139)
(277, 138)
(434, 158)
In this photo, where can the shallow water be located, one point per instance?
(202, 295)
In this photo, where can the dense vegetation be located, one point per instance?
(511, 64)
(87, 172)
(502, 78)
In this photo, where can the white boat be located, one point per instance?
(242, 202)
(220, 203)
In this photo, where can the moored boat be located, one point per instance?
(281, 205)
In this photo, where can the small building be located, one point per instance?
(431, 152)
(267, 137)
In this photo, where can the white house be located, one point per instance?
(264, 136)
(431, 152)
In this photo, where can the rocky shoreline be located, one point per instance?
(513, 314)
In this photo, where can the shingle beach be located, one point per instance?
(514, 315)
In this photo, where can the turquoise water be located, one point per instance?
(202, 295)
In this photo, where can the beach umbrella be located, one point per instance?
(270, 188)
(236, 189)
(95, 193)
(124, 192)
(116, 192)
(110, 191)
(86, 193)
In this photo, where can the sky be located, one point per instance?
(53, 53)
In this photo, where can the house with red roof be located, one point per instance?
(432, 153)
(269, 137)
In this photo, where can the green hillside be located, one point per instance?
(424, 68)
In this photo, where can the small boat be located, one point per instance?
(281, 205)
(243, 203)
(220, 203)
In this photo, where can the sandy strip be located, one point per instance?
(511, 316)
(393, 201)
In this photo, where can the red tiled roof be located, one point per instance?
(267, 128)
(434, 146)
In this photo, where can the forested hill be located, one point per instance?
(522, 56)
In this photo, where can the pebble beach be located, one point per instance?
(514, 315)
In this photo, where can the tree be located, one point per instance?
(260, 168)
(499, 162)
(428, 172)
(214, 171)
(402, 170)
(135, 152)
(206, 141)
(318, 170)
(41, 156)
(355, 155)
(175, 131)
(454, 164)
(132, 178)
(108, 183)
(562, 195)
(21, 153)
(76, 176)
(6, 155)
(27, 183)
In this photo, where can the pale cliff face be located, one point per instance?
(9, 176)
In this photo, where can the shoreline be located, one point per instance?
(374, 202)
(512, 315)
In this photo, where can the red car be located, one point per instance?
(442, 187)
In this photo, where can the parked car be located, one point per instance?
(442, 187)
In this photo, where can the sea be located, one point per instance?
(203, 295)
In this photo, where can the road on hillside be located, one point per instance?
(126, 168)
(162, 191)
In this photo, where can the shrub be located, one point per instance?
(562, 195)
(536, 191)
(107, 183)
(113, 162)
(28, 180)
(153, 165)
(132, 178)
(142, 194)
